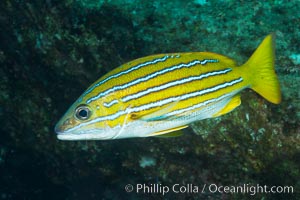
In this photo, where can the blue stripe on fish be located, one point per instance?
(186, 96)
(199, 105)
(110, 103)
(163, 59)
(164, 102)
(150, 76)
(174, 83)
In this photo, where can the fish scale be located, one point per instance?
(162, 93)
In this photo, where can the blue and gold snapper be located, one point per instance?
(163, 93)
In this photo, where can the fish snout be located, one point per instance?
(64, 125)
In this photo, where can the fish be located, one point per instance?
(159, 94)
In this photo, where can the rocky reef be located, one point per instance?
(51, 51)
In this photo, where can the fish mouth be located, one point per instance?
(95, 134)
(61, 133)
(58, 129)
(84, 136)
(62, 136)
(83, 133)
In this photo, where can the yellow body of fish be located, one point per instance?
(158, 94)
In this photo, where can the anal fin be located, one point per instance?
(168, 131)
(232, 104)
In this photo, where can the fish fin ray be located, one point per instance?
(156, 115)
(168, 130)
(231, 105)
(264, 80)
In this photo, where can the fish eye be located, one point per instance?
(82, 112)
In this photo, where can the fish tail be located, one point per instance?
(263, 78)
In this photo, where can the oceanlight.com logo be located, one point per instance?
(207, 188)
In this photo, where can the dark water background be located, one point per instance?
(51, 51)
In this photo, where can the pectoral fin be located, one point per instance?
(156, 115)
(233, 103)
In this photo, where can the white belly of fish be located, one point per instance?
(146, 128)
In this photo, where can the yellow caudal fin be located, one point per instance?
(262, 76)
